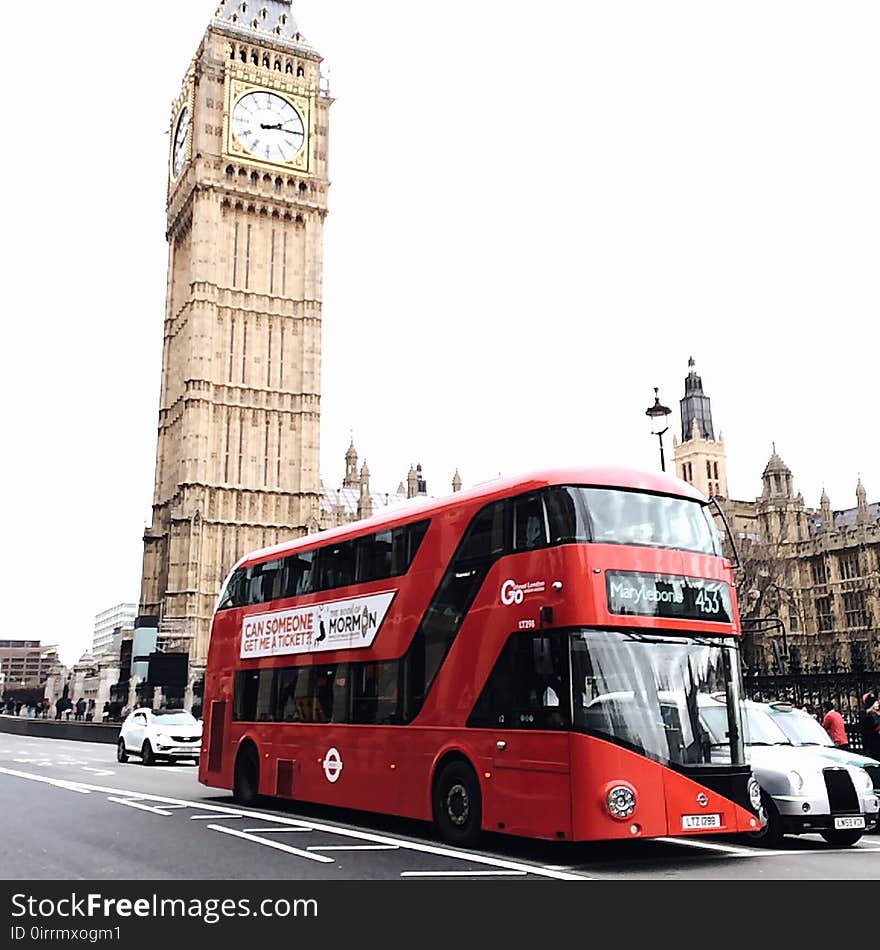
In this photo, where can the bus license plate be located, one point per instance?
(700, 821)
(856, 821)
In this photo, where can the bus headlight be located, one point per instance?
(754, 793)
(796, 780)
(620, 801)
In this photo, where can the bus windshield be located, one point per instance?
(645, 692)
(615, 516)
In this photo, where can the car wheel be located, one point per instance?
(246, 779)
(770, 836)
(147, 754)
(121, 754)
(842, 839)
(458, 809)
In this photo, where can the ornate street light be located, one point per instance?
(658, 415)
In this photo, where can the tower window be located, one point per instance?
(230, 172)
(278, 184)
(254, 58)
(303, 188)
(266, 63)
(288, 68)
(278, 61)
(254, 178)
(300, 71)
(242, 55)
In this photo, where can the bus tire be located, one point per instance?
(457, 805)
(246, 779)
(770, 836)
(842, 839)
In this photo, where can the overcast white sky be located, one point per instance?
(538, 212)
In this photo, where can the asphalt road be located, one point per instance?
(71, 811)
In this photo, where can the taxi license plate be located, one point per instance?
(851, 822)
(700, 821)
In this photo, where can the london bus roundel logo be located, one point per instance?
(332, 765)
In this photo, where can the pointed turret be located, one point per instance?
(351, 467)
(861, 503)
(695, 406)
(776, 477)
(825, 509)
(456, 481)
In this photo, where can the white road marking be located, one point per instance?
(277, 845)
(132, 803)
(223, 811)
(713, 846)
(457, 873)
(86, 768)
(265, 831)
(57, 782)
(353, 847)
(226, 817)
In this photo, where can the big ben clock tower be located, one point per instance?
(237, 460)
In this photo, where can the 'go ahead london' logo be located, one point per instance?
(513, 593)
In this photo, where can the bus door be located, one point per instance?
(524, 745)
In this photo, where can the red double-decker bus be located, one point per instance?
(527, 657)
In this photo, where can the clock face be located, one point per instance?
(181, 134)
(268, 126)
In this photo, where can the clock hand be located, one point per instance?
(276, 126)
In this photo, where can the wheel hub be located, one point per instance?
(457, 804)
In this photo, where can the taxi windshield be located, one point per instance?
(800, 727)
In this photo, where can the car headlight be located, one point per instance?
(796, 780)
(754, 793)
(867, 782)
(621, 801)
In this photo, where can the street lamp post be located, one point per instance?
(659, 426)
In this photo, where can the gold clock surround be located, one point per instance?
(186, 101)
(239, 85)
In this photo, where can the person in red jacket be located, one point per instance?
(832, 723)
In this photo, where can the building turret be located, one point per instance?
(351, 467)
(862, 514)
(699, 457)
(456, 481)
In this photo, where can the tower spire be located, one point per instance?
(695, 406)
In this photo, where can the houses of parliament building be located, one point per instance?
(816, 571)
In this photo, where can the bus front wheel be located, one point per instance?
(246, 780)
(458, 809)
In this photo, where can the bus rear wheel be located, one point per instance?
(457, 806)
(246, 780)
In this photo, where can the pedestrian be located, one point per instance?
(869, 725)
(105, 713)
(80, 709)
(833, 724)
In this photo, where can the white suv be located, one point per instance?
(171, 734)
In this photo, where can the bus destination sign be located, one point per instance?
(668, 595)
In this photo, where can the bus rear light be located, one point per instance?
(620, 800)
(634, 829)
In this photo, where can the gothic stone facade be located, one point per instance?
(237, 461)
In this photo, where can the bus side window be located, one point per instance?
(528, 686)
(529, 523)
(298, 573)
(336, 565)
(374, 557)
